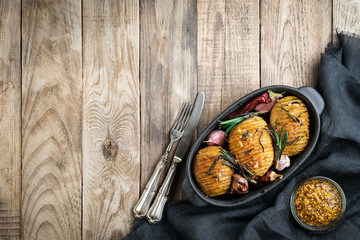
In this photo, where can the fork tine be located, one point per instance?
(181, 118)
(178, 117)
(186, 118)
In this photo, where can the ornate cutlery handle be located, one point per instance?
(155, 212)
(147, 196)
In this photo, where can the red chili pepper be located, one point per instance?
(264, 98)
(265, 178)
(266, 107)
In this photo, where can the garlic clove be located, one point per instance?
(274, 176)
(216, 138)
(283, 163)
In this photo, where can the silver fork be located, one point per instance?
(176, 133)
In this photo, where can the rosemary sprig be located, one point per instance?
(255, 132)
(231, 162)
(280, 142)
(295, 140)
(248, 151)
(290, 115)
(246, 135)
(302, 113)
(233, 122)
(260, 141)
(208, 172)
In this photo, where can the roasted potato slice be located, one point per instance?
(251, 144)
(218, 180)
(293, 112)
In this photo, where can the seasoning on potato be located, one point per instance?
(293, 113)
(251, 145)
(213, 179)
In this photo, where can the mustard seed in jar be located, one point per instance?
(317, 203)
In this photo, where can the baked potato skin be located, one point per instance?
(297, 130)
(219, 180)
(244, 145)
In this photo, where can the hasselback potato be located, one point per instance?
(251, 144)
(293, 112)
(218, 180)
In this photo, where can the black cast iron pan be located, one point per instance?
(315, 105)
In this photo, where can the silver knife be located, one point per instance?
(154, 214)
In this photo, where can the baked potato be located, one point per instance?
(215, 181)
(251, 144)
(293, 112)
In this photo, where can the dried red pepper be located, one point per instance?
(265, 178)
(264, 98)
(266, 107)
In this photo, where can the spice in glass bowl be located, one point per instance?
(318, 203)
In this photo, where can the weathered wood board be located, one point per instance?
(10, 120)
(167, 75)
(346, 17)
(51, 119)
(293, 35)
(111, 117)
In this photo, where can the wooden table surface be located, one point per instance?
(89, 90)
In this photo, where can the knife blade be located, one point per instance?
(154, 214)
(190, 127)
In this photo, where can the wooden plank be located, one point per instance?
(293, 35)
(167, 75)
(228, 53)
(211, 57)
(111, 128)
(241, 50)
(10, 120)
(183, 71)
(346, 17)
(51, 113)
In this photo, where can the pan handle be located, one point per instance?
(190, 195)
(315, 97)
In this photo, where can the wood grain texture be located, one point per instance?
(346, 16)
(111, 125)
(228, 53)
(51, 113)
(241, 50)
(293, 35)
(167, 75)
(10, 120)
(210, 57)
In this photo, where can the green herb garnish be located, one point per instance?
(260, 141)
(246, 134)
(231, 162)
(295, 140)
(233, 122)
(280, 142)
(272, 95)
(290, 115)
(208, 172)
(255, 132)
(302, 113)
(248, 151)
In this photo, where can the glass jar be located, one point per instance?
(318, 208)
